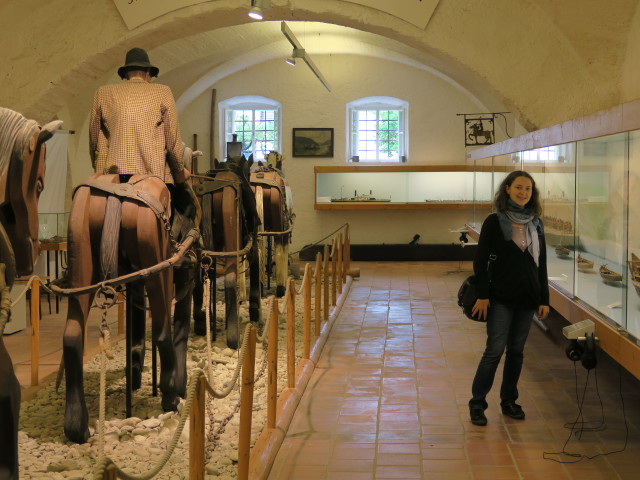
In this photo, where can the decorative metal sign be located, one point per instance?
(479, 128)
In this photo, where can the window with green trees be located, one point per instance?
(377, 130)
(256, 122)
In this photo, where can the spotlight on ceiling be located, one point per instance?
(297, 53)
(257, 6)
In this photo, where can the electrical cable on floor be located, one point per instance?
(579, 425)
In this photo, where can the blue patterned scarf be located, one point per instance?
(524, 216)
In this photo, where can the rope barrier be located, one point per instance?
(190, 238)
(290, 292)
(306, 247)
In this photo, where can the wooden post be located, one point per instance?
(291, 335)
(194, 161)
(325, 283)
(35, 331)
(339, 264)
(196, 432)
(334, 273)
(246, 407)
(307, 312)
(318, 300)
(347, 252)
(110, 473)
(272, 357)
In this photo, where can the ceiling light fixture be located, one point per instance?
(299, 52)
(256, 8)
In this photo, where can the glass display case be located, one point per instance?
(52, 227)
(588, 174)
(592, 228)
(381, 188)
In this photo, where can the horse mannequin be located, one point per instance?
(229, 222)
(143, 241)
(276, 208)
(22, 166)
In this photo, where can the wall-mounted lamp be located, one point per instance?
(297, 53)
(256, 8)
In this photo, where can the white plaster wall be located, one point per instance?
(630, 84)
(436, 136)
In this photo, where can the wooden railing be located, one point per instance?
(327, 277)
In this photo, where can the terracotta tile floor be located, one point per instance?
(51, 329)
(388, 399)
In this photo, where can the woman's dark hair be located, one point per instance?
(501, 197)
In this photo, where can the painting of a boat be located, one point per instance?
(609, 275)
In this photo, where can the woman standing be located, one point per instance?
(513, 288)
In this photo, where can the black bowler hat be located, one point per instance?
(137, 57)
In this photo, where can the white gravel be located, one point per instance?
(137, 444)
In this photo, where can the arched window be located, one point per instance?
(256, 122)
(377, 129)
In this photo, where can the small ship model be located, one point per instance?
(361, 198)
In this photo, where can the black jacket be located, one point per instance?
(515, 278)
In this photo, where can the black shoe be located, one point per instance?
(478, 417)
(513, 410)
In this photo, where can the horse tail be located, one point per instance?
(110, 237)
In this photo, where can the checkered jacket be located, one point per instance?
(134, 130)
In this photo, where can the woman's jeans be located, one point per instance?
(507, 327)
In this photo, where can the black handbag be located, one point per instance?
(468, 293)
(467, 297)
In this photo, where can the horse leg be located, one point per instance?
(276, 204)
(152, 249)
(255, 285)
(161, 286)
(228, 205)
(231, 302)
(81, 269)
(282, 265)
(136, 313)
(199, 317)
(183, 280)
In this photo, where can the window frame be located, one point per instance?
(377, 104)
(253, 103)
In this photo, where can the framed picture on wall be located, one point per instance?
(313, 142)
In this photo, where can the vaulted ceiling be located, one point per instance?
(545, 60)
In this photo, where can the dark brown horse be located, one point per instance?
(22, 166)
(229, 224)
(142, 239)
(269, 184)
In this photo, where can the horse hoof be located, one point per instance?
(136, 377)
(77, 435)
(232, 343)
(170, 403)
(280, 291)
(200, 329)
